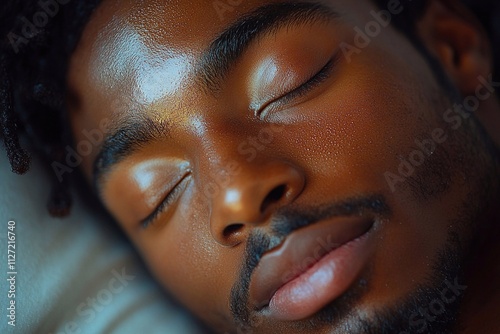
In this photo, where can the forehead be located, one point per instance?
(179, 23)
(124, 33)
(124, 26)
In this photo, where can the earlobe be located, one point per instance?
(455, 37)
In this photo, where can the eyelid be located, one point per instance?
(320, 76)
(166, 202)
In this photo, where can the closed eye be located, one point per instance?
(322, 75)
(166, 203)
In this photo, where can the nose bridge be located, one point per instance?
(223, 164)
(217, 140)
(227, 143)
(228, 148)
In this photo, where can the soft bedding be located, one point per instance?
(72, 275)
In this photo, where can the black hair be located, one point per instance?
(38, 38)
(487, 13)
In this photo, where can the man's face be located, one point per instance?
(265, 171)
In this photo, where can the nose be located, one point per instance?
(250, 198)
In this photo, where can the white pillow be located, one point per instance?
(74, 275)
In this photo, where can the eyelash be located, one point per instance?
(165, 203)
(306, 87)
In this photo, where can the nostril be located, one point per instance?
(273, 197)
(231, 230)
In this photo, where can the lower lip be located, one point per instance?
(325, 281)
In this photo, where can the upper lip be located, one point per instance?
(302, 249)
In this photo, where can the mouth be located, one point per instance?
(311, 268)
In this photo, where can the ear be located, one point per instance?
(456, 38)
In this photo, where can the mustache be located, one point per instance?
(284, 222)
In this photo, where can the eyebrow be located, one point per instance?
(128, 139)
(229, 46)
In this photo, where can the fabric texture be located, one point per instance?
(74, 275)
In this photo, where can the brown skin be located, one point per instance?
(334, 143)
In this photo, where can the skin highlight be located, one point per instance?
(141, 66)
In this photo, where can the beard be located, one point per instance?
(467, 157)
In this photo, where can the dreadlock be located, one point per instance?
(33, 63)
(33, 68)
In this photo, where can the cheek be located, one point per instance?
(356, 133)
(353, 133)
(190, 264)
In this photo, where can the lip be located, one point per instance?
(311, 268)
